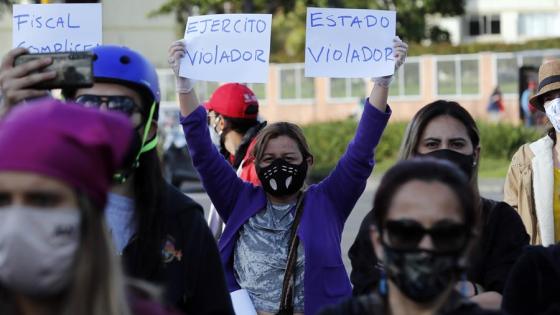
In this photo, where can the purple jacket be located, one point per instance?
(326, 206)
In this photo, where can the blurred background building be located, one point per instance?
(468, 78)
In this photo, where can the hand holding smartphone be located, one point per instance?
(73, 69)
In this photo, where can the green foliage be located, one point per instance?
(502, 140)
(5, 6)
(329, 140)
(446, 48)
(288, 23)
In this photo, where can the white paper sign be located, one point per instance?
(48, 28)
(242, 304)
(349, 43)
(227, 48)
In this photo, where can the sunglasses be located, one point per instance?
(119, 103)
(407, 234)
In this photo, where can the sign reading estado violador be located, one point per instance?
(349, 43)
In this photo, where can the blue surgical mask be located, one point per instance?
(119, 215)
(215, 137)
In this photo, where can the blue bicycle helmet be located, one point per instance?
(123, 65)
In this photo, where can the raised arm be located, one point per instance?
(355, 166)
(380, 92)
(218, 177)
(188, 101)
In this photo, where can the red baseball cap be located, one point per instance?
(234, 100)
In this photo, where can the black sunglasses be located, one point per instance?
(119, 103)
(446, 236)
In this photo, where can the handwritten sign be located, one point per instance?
(349, 43)
(48, 28)
(227, 47)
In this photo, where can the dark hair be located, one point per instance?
(276, 130)
(426, 114)
(148, 195)
(428, 170)
(240, 125)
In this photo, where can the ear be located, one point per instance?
(221, 124)
(310, 161)
(153, 129)
(375, 237)
(476, 154)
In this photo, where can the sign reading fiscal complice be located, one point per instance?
(227, 48)
(48, 28)
(349, 43)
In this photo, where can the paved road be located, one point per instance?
(489, 188)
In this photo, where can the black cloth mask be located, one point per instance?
(421, 275)
(281, 178)
(464, 161)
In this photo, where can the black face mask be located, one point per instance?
(463, 161)
(281, 178)
(421, 275)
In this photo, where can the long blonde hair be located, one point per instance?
(98, 285)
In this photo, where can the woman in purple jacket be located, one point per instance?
(255, 243)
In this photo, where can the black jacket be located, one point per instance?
(534, 285)
(502, 242)
(373, 304)
(190, 269)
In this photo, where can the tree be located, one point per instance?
(5, 5)
(288, 24)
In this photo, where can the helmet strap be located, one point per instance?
(123, 176)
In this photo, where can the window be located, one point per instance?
(458, 76)
(407, 79)
(539, 24)
(485, 24)
(293, 85)
(260, 91)
(507, 73)
(446, 78)
(166, 79)
(534, 61)
(347, 88)
(204, 89)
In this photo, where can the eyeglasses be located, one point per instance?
(446, 236)
(119, 103)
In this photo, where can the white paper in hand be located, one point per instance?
(242, 304)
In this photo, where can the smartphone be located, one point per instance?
(73, 69)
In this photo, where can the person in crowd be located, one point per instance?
(496, 106)
(232, 121)
(424, 226)
(532, 184)
(526, 107)
(160, 232)
(445, 130)
(233, 124)
(55, 254)
(281, 244)
(534, 284)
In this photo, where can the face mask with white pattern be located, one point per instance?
(552, 109)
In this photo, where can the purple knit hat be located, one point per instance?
(79, 146)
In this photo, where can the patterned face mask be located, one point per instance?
(281, 178)
(37, 249)
(419, 274)
(552, 110)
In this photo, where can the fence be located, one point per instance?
(467, 78)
